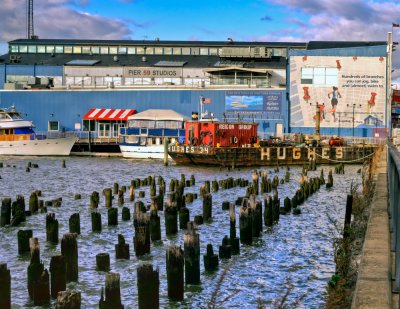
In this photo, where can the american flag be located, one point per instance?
(206, 100)
(395, 25)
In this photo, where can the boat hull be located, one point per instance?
(45, 147)
(268, 156)
(142, 152)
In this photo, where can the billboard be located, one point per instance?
(253, 101)
(349, 91)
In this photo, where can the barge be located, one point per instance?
(236, 145)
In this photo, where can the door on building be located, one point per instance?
(104, 130)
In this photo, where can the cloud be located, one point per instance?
(55, 19)
(266, 18)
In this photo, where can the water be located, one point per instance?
(297, 251)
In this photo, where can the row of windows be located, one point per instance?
(121, 50)
(319, 76)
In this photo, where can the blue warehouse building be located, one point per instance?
(55, 83)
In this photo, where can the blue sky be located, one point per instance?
(206, 20)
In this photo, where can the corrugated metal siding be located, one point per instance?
(2, 75)
(69, 107)
(32, 70)
(365, 51)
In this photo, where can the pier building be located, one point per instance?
(57, 82)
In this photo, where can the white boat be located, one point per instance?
(17, 138)
(144, 136)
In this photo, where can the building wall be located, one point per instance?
(69, 106)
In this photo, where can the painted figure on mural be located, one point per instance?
(334, 95)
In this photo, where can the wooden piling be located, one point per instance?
(115, 188)
(18, 211)
(112, 216)
(107, 192)
(112, 293)
(23, 241)
(141, 240)
(5, 212)
(94, 199)
(347, 218)
(35, 267)
(191, 242)
(245, 225)
(5, 287)
(287, 204)
(52, 228)
(96, 221)
(268, 219)
(148, 284)
(131, 193)
(33, 203)
(210, 259)
(75, 223)
(69, 250)
(68, 300)
(171, 219)
(256, 213)
(184, 217)
(174, 266)
(41, 289)
(122, 249)
(234, 241)
(155, 227)
(166, 143)
(103, 262)
(126, 215)
(58, 275)
(207, 206)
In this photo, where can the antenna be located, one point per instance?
(29, 19)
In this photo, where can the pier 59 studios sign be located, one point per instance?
(143, 72)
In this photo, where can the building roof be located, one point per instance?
(342, 44)
(158, 114)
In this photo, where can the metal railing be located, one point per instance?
(393, 168)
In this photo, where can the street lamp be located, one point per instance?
(353, 105)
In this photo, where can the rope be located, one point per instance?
(355, 160)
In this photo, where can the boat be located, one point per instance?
(236, 144)
(146, 132)
(17, 137)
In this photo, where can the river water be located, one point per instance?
(297, 251)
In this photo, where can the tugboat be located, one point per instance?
(18, 138)
(235, 144)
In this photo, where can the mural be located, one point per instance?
(349, 91)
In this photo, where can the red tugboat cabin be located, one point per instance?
(221, 134)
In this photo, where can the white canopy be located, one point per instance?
(158, 114)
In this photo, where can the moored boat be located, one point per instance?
(236, 144)
(17, 138)
(146, 133)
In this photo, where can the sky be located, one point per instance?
(205, 20)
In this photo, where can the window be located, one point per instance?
(54, 126)
(204, 51)
(68, 49)
(14, 48)
(185, 51)
(195, 51)
(131, 50)
(104, 50)
(213, 51)
(41, 49)
(140, 50)
(32, 49)
(167, 50)
(23, 48)
(95, 50)
(177, 51)
(49, 49)
(77, 50)
(149, 50)
(158, 50)
(113, 50)
(319, 76)
(122, 50)
(86, 50)
(89, 125)
(59, 49)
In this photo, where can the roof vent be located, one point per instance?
(144, 59)
(115, 58)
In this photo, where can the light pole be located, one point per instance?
(353, 105)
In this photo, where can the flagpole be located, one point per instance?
(201, 107)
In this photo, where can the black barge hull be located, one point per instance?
(269, 156)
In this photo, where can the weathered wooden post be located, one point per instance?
(225, 250)
(126, 215)
(113, 293)
(131, 193)
(166, 143)
(234, 241)
(245, 225)
(207, 207)
(52, 228)
(155, 227)
(268, 219)
(192, 180)
(35, 267)
(112, 216)
(75, 223)
(329, 184)
(94, 199)
(347, 218)
(33, 203)
(174, 265)
(23, 240)
(210, 259)
(58, 275)
(287, 204)
(63, 164)
(256, 213)
(122, 249)
(191, 242)
(171, 219)
(141, 240)
(255, 177)
(5, 212)
(184, 217)
(69, 250)
(107, 192)
(148, 284)
(96, 221)
(68, 300)
(18, 211)
(103, 262)
(115, 188)
(5, 287)
(120, 197)
(77, 196)
(41, 289)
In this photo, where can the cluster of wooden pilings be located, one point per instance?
(182, 265)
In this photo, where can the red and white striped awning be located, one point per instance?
(109, 114)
